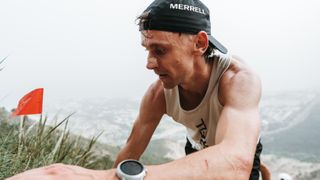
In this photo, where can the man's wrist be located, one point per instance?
(131, 169)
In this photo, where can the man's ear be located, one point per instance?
(201, 42)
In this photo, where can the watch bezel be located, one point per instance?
(125, 176)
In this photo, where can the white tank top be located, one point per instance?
(200, 122)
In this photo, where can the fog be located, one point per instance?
(91, 48)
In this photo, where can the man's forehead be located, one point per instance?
(152, 37)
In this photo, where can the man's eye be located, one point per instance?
(159, 51)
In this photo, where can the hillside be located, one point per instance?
(37, 144)
(298, 170)
(300, 140)
(289, 130)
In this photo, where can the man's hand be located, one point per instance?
(62, 171)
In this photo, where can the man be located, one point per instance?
(214, 95)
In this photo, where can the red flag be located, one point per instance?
(30, 103)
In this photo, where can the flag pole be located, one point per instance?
(20, 134)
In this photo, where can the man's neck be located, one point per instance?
(193, 91)
(198, 81)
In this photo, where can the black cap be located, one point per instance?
(185, 16)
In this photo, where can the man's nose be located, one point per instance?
(152, 63)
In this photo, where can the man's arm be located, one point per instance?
(265, 172)
(237, 134)
(152, 108)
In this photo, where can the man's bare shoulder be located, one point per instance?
(154, 97)
(238, 65)
(156, 90)
(239, 83)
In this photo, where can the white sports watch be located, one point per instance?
(130, 169)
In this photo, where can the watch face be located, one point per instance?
(131, 167)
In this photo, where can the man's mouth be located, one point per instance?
(161, 76)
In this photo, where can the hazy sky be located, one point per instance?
(91, 48)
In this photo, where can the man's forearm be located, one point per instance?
(216, 162)
(126, 153)
(120, 157)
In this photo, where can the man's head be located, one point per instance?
(182, 16)
(176, 34)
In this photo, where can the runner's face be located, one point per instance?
(169, 55)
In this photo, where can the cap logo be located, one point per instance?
(185, 7)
